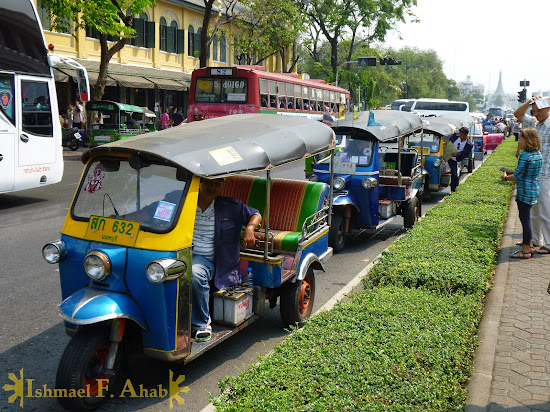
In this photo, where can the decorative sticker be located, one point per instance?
(5, 99)
(366, 151)
(164, 211)
(363, 159)
(95, 180)
(225, 156)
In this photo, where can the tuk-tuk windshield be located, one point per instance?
(353, 150)
(134, 190)
(429, 140)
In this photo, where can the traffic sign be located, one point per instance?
(366, 61)
(524, 83)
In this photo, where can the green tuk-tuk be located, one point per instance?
(113, 121)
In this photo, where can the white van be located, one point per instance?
(437, 107)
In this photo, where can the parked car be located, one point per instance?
(491, 137)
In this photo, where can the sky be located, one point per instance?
(481, 37)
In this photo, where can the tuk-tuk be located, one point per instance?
(128, 283)
(113, 121)
(464, 120)
(373, 183)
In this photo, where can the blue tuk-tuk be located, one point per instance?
(374, 181)
(467, 121)
(125, 253)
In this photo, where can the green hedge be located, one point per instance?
(407, 341)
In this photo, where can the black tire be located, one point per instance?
(426, 194)
(336, 233)
(297, 300)
(78, 368)
(470, 165)
(411, 213)
(73, 143)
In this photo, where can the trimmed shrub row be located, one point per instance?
(407, 341)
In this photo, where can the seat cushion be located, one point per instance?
(286, 240)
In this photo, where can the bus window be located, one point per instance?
(221, 90)
(264, 95)
(326, 100)
(37, 111)
(281, 92)
(298, 94)
(272, 93)
(290, 95)
(305, 96)
(6, 96)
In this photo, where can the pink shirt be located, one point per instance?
(164, 120)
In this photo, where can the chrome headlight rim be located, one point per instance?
(339, 183)
(161, 270)
(58, 253)
(437, 162)
(369, 182)
(105, 263)
(313, 178)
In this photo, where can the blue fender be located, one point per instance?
(344, 200)
(88, 306)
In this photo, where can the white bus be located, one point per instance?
(30, 132)
(437, 107)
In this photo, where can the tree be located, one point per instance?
(268, 28)
(108, 17)
(361, 22)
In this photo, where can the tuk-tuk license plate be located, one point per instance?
(111, 230)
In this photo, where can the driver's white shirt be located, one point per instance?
(204, 231)
(459, 145)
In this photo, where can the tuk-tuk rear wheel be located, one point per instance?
(337, 233)
(297, 300)
(470, 165)
(411, 213)
(80, 366)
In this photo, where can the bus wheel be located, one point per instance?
(297, 300)
(336, 233)
(410, 215)
(80, 369)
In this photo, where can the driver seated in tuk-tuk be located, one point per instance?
(216, 253)
(357, 148)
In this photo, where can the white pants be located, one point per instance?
(540, 215)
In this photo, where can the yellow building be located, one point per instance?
(155, 69)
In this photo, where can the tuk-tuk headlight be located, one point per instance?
(437, 162)
(162, 270)
(53, 252)
(314, 178)
(97, 265)
(339, 183)
(369, 182)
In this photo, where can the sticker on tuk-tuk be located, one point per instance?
(165, 211)
(95, 180)
(344, 168)
(225, 156)
(111, 230)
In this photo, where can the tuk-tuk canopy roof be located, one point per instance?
(229, 145)
(460, 119)
(109, 106)
(148, 113)
(440, 125)
(380, 124)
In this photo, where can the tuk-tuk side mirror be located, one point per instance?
(110, 165)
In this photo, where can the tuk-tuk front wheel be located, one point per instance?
(297, 300)
(470, 165)
(80, 368)
(337, 233)
(411, 213)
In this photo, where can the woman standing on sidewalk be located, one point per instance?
(527, 179)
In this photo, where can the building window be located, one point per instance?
(172, 39)
(215, 48)
(223, 50)
(145, 32)
(198, 42)
(191, 41)
(45, 16)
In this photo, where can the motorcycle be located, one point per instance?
(71, 138)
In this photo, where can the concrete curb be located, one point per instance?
(479, 386)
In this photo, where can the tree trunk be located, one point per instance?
(205, 43)
(106, 55)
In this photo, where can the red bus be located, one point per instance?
(222, 91)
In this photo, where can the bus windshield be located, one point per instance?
(21, 41)
(216, 90)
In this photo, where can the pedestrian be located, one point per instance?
(70, 116)
(515, 128)
(178, 117)
(164, 120)
(78, 114)
(526, 177)
(540, 212)
(463, 147)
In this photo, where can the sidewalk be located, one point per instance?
(512, 362)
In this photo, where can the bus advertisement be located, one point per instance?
(216, 92)
(30, 132)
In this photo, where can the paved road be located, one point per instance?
(31, 333)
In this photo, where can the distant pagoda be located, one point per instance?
(498, 98)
